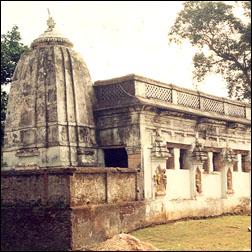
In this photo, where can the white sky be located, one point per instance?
(114, 38)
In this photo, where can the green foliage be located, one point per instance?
(11, 50)
(4, 99)
(223, 42)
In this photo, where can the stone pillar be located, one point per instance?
(224, 179)
(239, 162)
(174, 96)
(148, 186)
(195, 180)
(210, 161)
(159, 155)
(176, 158)
(198, 157)
(227, 159)
(248, 112)
(158, 165)
(134, 157)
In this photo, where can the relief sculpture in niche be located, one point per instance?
(198, 183)
(160, 181)
(229, 181)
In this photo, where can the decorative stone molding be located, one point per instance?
(207, 120)
(160, 181)
(228, 155)
(232, 125)
(159, 148)
(27, 152)
(199, 154)
(133, 150)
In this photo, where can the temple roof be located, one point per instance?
(51, 36)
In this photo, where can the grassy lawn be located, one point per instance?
(222, 233)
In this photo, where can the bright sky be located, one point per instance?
(114, 38)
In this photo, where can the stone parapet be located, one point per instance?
(62, 187)
(133, 89)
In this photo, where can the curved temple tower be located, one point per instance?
(49, 120)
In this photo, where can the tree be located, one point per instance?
(222, 40)
(11, 50)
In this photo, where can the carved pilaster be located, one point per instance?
(160, 181)
(229, 182)
(159, 148)
(228, 158)
(198, 157)
(198, 181)
(199, 154)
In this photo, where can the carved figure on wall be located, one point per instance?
(160, 180)
(198, 183)
(229, 181)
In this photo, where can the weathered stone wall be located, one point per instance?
(49, 188)
(180, 131)
(62, 209)
(35, 228)
(68, 209)
(68, 186)
(98, 222)
(119, 127)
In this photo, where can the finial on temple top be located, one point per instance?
(50, 21)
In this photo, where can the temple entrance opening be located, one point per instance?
(116, 157)
(182, 158)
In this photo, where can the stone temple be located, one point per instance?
(84, 161)
(50, 120)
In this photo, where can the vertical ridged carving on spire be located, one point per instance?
(49, 118)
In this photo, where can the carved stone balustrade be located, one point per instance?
(133, 89)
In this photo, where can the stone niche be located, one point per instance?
(160, 181)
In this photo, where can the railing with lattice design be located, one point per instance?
(188, 100)
(212, 105)
(129, 88)
(157, 93)
(115, 94)
(234, 110)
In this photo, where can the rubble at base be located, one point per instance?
(123, 242)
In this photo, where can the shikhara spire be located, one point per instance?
(51, 35)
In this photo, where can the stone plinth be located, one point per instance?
(68, 209)
(64, 209)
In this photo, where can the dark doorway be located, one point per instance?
(243, 163)
(116, 157)
(216, 161)
(182, 158)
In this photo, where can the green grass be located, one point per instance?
(228, 233)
